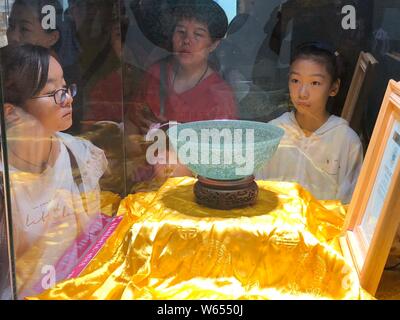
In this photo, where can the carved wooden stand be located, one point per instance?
(226, 194)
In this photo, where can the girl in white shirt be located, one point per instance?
(54, 188)
(319, 151)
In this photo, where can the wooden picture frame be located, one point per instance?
(359, 87)
(373, 215)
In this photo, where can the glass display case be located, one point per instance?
(85, 82)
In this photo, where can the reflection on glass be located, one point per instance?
(112, 50)
(191, 89)
(185, 86)
(381, 186)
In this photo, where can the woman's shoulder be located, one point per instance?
(71, 140)
(86, 153)
(215, 85)
(341, 126)
(283, 119)
(216, 78)
(79, 146)
(154, 69)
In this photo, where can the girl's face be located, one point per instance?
(310, 86)
(192, 42)
(52, 116)
(26, 28)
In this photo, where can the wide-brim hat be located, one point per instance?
(157, 18)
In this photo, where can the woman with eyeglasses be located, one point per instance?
(53, 176)
(27, 24)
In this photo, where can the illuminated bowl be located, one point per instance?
(224, 149)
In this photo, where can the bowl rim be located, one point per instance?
(277, 130)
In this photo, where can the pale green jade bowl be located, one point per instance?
(224, 149)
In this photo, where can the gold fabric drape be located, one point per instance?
(52, 246)
(168, 247)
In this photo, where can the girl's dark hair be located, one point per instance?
(206, 11)
(24, 70)
(322, 53)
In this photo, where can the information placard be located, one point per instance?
(374, 211)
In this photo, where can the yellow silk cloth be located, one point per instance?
(168, 247)
(31, 264)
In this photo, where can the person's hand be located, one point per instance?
(145, 119)
(170, 168)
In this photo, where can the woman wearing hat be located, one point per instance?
(185, 87)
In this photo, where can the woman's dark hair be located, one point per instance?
(24, 71)
(322, 53)
(206, 11)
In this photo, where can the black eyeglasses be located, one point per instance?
(60, 95)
